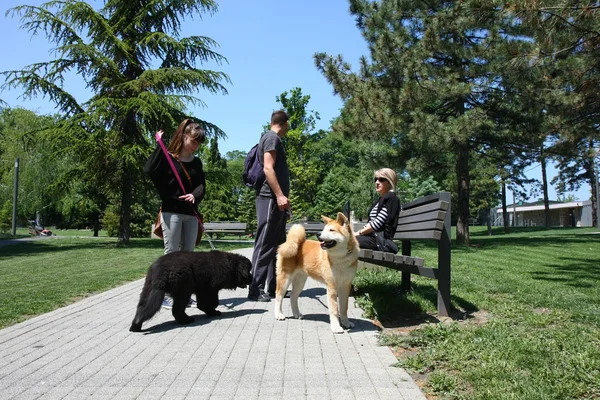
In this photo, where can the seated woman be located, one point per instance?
(378, 233)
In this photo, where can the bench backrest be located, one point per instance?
(309, 227)
(424, 218)
(233, 226)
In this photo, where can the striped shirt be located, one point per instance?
(378, 219)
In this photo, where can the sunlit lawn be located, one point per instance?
(41, 275)
(540, 293)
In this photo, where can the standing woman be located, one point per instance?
(178, 220)
(378, 233)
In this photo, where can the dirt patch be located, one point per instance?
(404, 325)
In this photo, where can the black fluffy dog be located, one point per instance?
(182, 273)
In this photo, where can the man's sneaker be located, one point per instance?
(167, 302)
(192, 302)
(286, 295)
(262, 297)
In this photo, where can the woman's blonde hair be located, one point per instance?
(389, 174)
(188, 127)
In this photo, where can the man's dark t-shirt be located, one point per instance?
(269, 142)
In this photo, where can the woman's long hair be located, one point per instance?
(188, 127)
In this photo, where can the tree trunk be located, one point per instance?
(96, 223)
(462, 174)
(504, 209)
(489, 221)
(593, 177)
(125, 214)
(129, 132)
(545, 190)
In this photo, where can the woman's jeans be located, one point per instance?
(376, 241)
(179, 231)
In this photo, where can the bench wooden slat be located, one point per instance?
(365, 253)
(418, 235)
(410, 268)
(436, 215)
(426, 200)
(422, 271)
(372, 255)
(224, 231)
(224, 226)
(408, 260)
(438, 205)
(421, 226)
(231, 228)
(309, 227)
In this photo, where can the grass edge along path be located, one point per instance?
(539, 337)
(42, 275)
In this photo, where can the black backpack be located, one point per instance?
(253, 175)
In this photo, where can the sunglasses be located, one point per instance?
(380, 179)
(196, 140)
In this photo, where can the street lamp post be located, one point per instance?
(15, 195)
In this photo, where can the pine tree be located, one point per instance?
(428, 84)
(567, 34)
(142, 75)
(298, 144)
(219, 202)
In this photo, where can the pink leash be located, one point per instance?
(164, 149)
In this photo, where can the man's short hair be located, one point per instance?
(279, 118)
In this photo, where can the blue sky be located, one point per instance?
(269, 45)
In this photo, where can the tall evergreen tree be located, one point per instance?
(567, 34)
(220, 202)
(298, 144)
(141, 72)
(427, 86)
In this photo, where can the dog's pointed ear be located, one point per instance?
(326, 219)
(341, 219)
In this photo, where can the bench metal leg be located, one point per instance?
(444, 303)
(212, 246)
(406, 249)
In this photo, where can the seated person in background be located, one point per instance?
(378, 233)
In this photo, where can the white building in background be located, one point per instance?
(573, 214)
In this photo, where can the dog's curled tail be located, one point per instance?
(296, 236)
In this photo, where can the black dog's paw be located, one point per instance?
(185, 320)
(212, 313)
(135, 327)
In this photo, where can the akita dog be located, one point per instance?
(332, 260)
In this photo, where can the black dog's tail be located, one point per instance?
(149, 304)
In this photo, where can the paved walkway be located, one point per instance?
(85, 350)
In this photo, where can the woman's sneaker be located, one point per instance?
(192, 302)
(167, 302)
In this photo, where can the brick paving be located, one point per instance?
(85, 350)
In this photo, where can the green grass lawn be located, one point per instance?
(539, 338)
(24, 232)
(45, 274)
(528, 325)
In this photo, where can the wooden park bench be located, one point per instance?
(311, 227)
(227, 228)
(427, 218)
(212, 228)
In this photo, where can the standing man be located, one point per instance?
(272, 208)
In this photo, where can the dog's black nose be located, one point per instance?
(319, 237)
